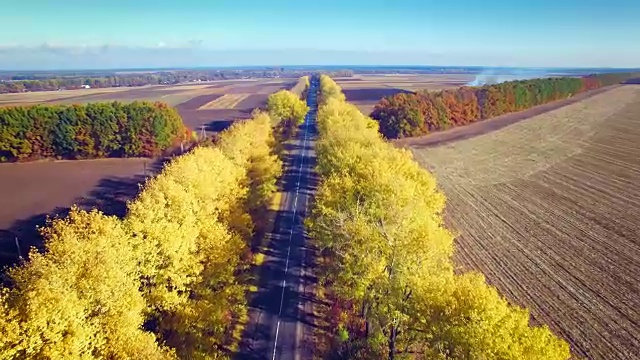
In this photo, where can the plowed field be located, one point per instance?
(227, 101)
(549, 210)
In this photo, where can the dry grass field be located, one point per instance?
(365, 91)
(45, 96)
(549, 210)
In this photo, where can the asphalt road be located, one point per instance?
(280, 315)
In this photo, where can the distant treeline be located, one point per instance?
(15, 83)
(88, 131)
(414, 114)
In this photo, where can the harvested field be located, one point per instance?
(253, 101)
(31, 191)
(548, 210)
(227, 101)
(42, 96)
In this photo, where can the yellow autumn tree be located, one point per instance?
(167, 220)
(250, 145)
(80, 299)
(171, 263)
(287, 107)
(378, 218)
(194, 222)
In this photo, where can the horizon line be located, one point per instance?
(319, 66)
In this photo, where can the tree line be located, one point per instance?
(164, 282)
(123, 80)
(53, 82)
(95, 130)
(413, 114)
(386, 255)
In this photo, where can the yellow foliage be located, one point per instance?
(464, 318)
(301, 86)
(287, 107)
(379, 216)
(172, 220)
(80, 299)
(172, 260)
(250, 145)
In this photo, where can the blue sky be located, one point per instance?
(52, 34)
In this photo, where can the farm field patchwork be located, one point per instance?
(548, 210)
(243, 96)
(31, 191)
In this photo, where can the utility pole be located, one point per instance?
(203, 132)
(18, 246)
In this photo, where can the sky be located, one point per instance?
(81, 34)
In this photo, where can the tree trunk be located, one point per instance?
(392, 342)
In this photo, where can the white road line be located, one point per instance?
(286, 268)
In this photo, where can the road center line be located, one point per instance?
(304, 146)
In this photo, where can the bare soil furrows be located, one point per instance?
(227, 101)
(253, 101)
(198, 101)
(554, 223)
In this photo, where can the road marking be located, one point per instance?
(286, 268)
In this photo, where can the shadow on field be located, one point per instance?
(635, 81)
(110, 196)
(218, 126)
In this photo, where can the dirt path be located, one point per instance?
(493, 124)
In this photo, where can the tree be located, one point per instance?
(88, 131)
(287, 107)
(174, 263)
(407, 115)
(81, 298)
(377, 219)
(400, 116)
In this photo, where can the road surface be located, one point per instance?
(280, 310)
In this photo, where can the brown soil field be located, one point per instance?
(547, 208)
(32, 191)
